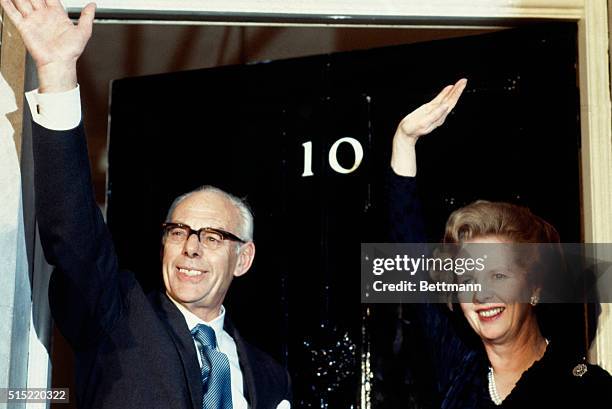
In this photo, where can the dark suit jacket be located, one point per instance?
(132, 350)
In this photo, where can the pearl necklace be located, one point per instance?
(493, 388)
(497, 400)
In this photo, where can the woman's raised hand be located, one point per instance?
(420, 122)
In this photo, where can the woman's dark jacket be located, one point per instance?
(459, 362)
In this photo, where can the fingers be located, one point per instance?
(53, 3)
(440, 97)
(449, 95)
(11, 11)
(431, 115)
(450, 101)
(86, 19)
(453, 96)
(437, 117)
(38, 4)
(24, 6)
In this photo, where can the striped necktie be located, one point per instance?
(216, 377)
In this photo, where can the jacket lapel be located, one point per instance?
(179, 332)
(248, 377)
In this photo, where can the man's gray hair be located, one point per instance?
(246, 215)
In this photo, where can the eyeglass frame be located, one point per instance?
(225, 235)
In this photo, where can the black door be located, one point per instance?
(307, 141)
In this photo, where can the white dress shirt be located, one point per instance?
(225, 344)
(58, 111)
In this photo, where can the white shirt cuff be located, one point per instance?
(58, 111)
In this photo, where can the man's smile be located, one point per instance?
(190, 274)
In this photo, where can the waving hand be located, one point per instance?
(52, 39)
(420, 122)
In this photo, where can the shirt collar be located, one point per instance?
(193, 320)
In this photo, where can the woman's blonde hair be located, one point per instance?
(482, 218)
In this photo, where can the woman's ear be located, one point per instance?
(535, 296)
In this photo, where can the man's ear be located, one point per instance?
(161, 248)
(246, 254)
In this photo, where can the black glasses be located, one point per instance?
(210, 237)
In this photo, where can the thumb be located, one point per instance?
(86, 19)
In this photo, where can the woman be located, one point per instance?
(501, 358)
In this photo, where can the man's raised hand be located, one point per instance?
(52, 39)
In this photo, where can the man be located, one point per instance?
(172, 349)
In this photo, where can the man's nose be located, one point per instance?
(192, 246)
